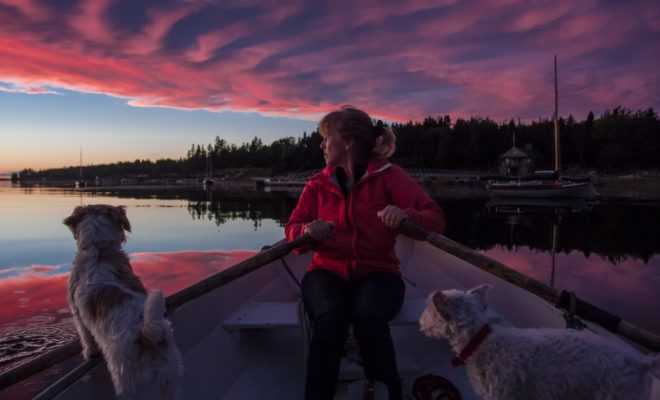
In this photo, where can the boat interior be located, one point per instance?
(247, 339)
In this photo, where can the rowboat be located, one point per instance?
(243, 333)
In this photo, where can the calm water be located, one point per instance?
(606, 253)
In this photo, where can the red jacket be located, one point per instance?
(360, 243)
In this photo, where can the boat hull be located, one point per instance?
(541, 189)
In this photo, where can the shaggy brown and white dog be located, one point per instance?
(113, 312)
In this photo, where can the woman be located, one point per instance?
(352, 209)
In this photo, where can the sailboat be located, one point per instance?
(554, 186)
(208, 179)
(80, 183)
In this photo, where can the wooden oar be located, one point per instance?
(562, 299)
(172, 302)
(245, 267)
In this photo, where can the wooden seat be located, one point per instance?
(268, 315)
(264, 316)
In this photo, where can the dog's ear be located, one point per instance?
(439, 300)
(119, 214)
(74, 219)
(480, 292)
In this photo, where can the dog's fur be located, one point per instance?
(545, 363)
(112, 311)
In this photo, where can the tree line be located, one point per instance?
(619, 140)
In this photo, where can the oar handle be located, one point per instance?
(414, 231)
(585, 310)
(288, 247)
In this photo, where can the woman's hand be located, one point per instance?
(319, 229)
(392, 216)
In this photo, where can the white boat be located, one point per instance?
(242, 334)
(541, 189)
(532, 205)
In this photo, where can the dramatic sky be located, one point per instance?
(131, 79)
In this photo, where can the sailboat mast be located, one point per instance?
(557, 144)
(81, 163)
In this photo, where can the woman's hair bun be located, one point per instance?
(379, 128)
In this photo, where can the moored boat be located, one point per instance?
(555, 187)
(541, 189)
(243, 334)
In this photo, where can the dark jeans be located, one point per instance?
(368, 304)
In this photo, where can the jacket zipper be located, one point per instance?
(348, 213)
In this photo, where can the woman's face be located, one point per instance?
(335, 150)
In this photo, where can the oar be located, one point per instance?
(562, 299)
(245, 267)
(172, 302)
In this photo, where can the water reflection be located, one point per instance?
(34, 313)
(221, 206)
(607, 253)
(614, 231)
(522, 211)
(627, 289)
(218, 204)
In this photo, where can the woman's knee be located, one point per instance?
(325, 295)
(379, 296)
(370, 328)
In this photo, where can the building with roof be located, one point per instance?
(516, 162)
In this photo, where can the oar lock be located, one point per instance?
(572, 321)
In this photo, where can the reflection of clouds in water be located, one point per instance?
(12, 269)
(628, 289)
(35, 269)
(170, 272)
(34, 313)
(23, 302)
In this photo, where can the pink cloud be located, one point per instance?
(398, 60)
(162, 21)
(89, 20)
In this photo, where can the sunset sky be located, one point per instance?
(130, 79)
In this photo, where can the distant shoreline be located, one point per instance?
(608, 187)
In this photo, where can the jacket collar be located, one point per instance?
(374, 167)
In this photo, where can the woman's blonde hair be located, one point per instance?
(371, 140)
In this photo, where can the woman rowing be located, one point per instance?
(352, 209)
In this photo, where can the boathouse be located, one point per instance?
(516, 162)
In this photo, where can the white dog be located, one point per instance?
(113, 312)
(511, 363)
